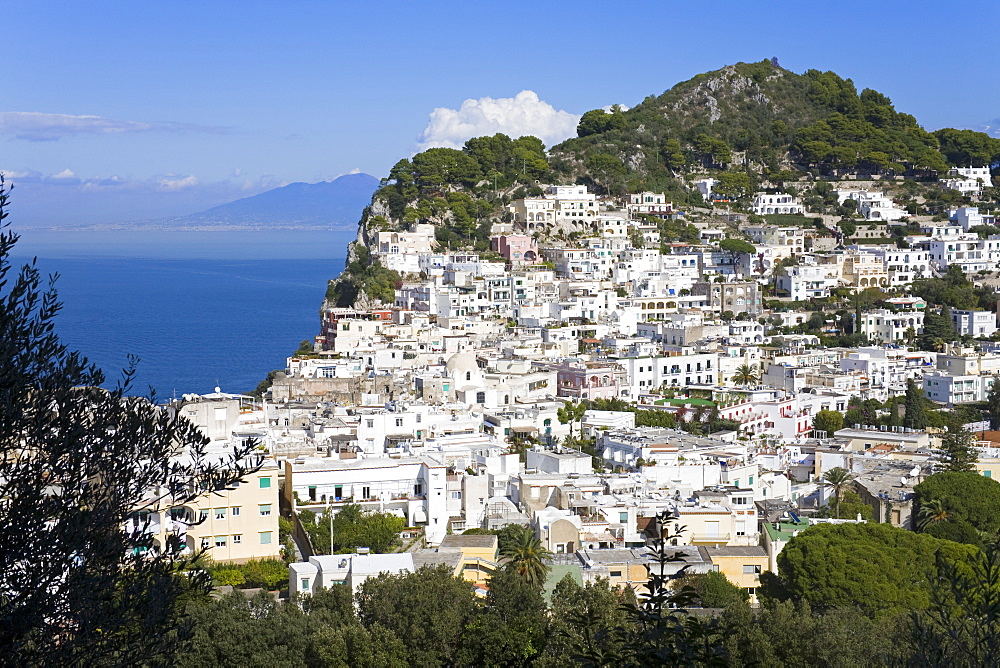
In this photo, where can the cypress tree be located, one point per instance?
(916, 415)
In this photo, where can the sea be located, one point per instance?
(200, 310)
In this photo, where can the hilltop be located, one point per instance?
(750, 126)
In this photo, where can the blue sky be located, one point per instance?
(113, 111)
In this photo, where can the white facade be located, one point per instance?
(967, 251)
(808, 280)
(978, 324)
(873, 205)
(948, 388)
(764, 204)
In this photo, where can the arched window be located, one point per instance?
(480, 397)
(468, 375)
(548, 422)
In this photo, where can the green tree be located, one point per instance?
(848, 227)
(746, 375)
(961, 627)
(713, 589)
(957, 496)
(79, 467)
(429, 608)
(596, 121)
(734, 185)
(931, 512)
(883, 570)
(570, 413)
(588, 620)
(916, 415)
(783, 633)
(353, 528)
(958, 450)
(838, 480)
(526, 556)
(512, 627)
(828, 421)
(737, 247)
(993, 403)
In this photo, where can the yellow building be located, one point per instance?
(235, 524)
(473, 558)
(741, 565)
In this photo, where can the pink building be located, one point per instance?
(518, 248)
(587, 380)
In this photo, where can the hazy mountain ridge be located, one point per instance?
(333, 204)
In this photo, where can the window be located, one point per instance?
(623, 517)
(616, 574)
(235, 511)
(366, 492)
(418, 489)
(237, 538)
(750, 482)
(202, 515)
(265, 483)
(220, 541)
(265, 509)
(988, 474)
(751, 569)
(370, 424)
(399, 422)
(480, 397)
(220, 513)
(205, 543)
(456, 495)
(265, 537)
(305, 584)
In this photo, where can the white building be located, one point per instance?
(808, 280)
(968, 180)
(325, 571)
(968, 217)
(978, 324)
(412, 487)
(967, 251)
(949, 388)
(873, 205)
(890, 326)
(765, 203)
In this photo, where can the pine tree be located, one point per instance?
(958, 451)
(916, 414)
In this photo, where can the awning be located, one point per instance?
(524, 430)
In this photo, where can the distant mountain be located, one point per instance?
(327, 204)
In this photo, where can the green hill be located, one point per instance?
(751, 125)
(763, 119)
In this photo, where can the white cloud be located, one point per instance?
(37, 126)
(523, 114)
(64, 174)
(173, 184)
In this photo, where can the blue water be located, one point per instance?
(199, 309)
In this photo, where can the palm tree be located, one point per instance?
(932, 512)
(745, 375)
(526, 556)
(837, 479)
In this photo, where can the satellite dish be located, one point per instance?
(218, 389)
(915, 471)
(904, 480)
